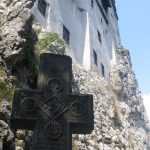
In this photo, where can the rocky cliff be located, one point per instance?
(17, 38)
(120, 119)
(121, 122)
(15, 27)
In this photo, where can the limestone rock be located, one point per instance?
(120, 118)
(16, 26)
(5, 133)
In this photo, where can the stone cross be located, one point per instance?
(52, 111)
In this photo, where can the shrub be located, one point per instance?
(50, 43)
(2, 85)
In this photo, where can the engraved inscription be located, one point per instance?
(29, 104)
(77, 108)
(53, 130)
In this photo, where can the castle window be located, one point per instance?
(66, 35)
(103, 70)
(102, 12)
(92, 3)
(95, 57)
(42, 7)
(99, 36)
(106, 4)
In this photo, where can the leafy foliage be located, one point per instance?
(2, 84)
(51, 43)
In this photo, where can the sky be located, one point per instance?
(134, 26)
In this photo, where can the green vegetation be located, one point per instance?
(51, 43)
(37, 31)
(6, 89)
(6, 93)
(2, 72)
(2, 84)
(74, 146)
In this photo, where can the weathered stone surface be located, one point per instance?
(17, 39)
(52, 111)
(6, 134)
(16, 26)
(120, 118)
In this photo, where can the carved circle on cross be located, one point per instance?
(77, 108)
(54, 84)
(53, 105)
(29, 104)
(53, 130)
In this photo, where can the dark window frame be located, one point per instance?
(66, 35)
(95, 57)
(106, 4)
(103, 70)
(92, 3)
(42, 5)
(102, 12)
(99, 36)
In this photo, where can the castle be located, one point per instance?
(90, 27)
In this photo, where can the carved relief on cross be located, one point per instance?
(52, 111)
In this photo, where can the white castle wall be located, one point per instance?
(83, 21)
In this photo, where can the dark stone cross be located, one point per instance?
(52, 111)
